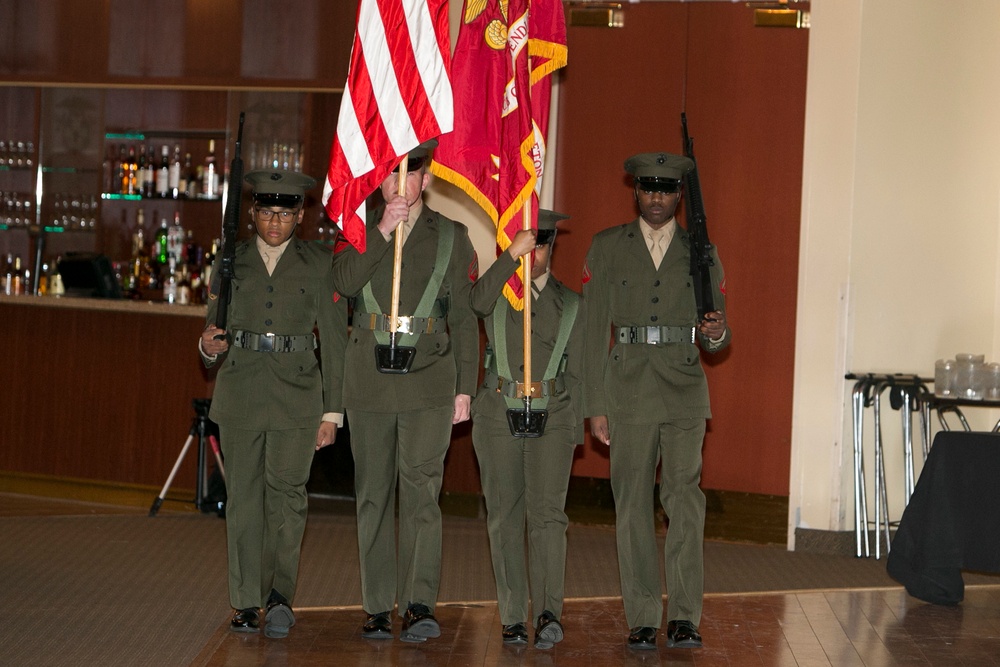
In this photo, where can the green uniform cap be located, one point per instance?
(417, 156)
(547, 225)
(659, 171)
(278, 187)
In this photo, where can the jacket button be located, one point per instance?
(302, 290)
(268, 304)
(653, 318)
(624, 283)
(270, 288)
(656, 299)
(267, 322)
(656, 283)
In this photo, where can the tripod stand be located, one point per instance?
(199, 429)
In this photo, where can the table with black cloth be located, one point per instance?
(952, 522)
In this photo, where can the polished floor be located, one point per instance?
(839, 628)
(90, 584)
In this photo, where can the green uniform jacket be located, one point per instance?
(640, 383)
(265, 391)
(565, 409)
(446, 363)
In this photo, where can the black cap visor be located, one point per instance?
(412, 164)
(279, 200)
(657, 184)
(545, 236)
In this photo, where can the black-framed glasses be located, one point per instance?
(267, 214)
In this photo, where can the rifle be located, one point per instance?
(701, 248)
(230, 228)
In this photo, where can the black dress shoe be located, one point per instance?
(642, 637)
(377, 626)
(245, 620)
(682, 634)
(548, 631)
(278, 617)
(419, 624)
(515, 634)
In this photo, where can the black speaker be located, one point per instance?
(90, 275)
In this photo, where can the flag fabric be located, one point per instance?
(505, 51)
(398, 95)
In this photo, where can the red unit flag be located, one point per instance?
(398, 95)
(506, 50)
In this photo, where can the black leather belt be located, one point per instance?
(405, 324)
(655, 335)
(512, 389)
(269, 342)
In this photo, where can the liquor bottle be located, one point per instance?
(8, 274)
(186, 178)
(149, 179)
(175, 239)
(140, 174)
(56, 287)
(170, 283)
(160, 253)
(163, 174)
(130, 170)
(15, 280)
(43, 280)
(183, 286)
(175, 173)
(121, 169)
(209, 176)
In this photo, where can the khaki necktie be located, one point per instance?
(270, 260)
(658, 250)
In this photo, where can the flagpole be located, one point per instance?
(526, 291)
(397, 258)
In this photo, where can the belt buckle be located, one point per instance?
(653, 335)
(633, 334)
(694, 331)
(535, 388)
(404, 324)
(265, 342)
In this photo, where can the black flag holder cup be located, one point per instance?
(393, 358)
(525, 422)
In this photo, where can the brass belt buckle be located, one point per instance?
(265, 343)
(653, 335)
(404, 324)
(535, 388)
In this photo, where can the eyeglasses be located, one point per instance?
(266, 214)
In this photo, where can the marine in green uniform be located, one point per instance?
(525, 479)
(647, 398)
(274, 401)
(401, 423)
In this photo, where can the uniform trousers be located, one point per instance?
(410, 446)
(524, 484)
(266, 507)
(635, 450)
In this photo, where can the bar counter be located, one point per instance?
(98, 391)
(97, 403)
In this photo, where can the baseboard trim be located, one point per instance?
(94, 491)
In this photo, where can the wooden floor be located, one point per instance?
(838, 628)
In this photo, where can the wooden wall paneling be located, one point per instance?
(212, 40)
(746, 94)
(102, 395)
(744, 89)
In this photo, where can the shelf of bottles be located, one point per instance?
(148, 178)
(17, 200)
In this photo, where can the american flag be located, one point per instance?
(398, 95)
